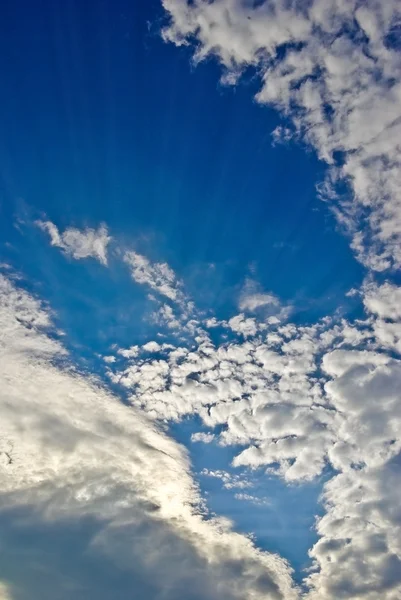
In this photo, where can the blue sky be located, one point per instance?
(234, 201)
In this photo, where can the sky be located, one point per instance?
(200, 300)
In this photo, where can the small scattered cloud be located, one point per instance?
(265, 304)
(247, 327)
(205, 438)
(256, 500)
(230, 480)
(282, 135)
(79, 243)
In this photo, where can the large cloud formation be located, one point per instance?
(333, 68)
(295, 400)
(95, 501)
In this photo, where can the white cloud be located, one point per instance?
(230, 481)
(245, 326)
(296, 400)
(358, 555)
(251, 299)
(383, 301)
(151, 347)
(85, 465)
(205, 438)
(329, 67)
(253, 499)
(265, 304)
(165, 316)
(282, 135)
(131, 352)
(109, 359)
(158, 276)
(79, 243)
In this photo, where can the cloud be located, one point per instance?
(358, 554)
(131, 352)
(298, 400)
(383, 301)
(205, 438)
(245, 326)
(332, 70)
(158, 276)
(282, 135)
(254, 301)
(252, 499)
(79, 243)
(230, 481)
(103, 500)
(265, 304)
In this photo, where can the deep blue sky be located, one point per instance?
(100, 121)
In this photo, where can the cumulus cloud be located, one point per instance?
(252, 298)
(333, 70)
(104, 501)
(79, 243)
(246, 326)
(295, 400)
(264, 304)
(358, 554)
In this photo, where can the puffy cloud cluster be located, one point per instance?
(228, 480)
(359, 552)
(333, 69)
(295, 400)
(104, 501)
(264, 391)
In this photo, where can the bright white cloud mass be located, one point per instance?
(92, 483)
